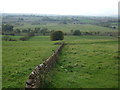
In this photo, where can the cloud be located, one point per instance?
(78, 7)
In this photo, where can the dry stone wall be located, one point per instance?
(37, 76)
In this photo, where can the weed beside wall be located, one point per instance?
(37, 76)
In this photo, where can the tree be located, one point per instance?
(64, 22)
(24, 30)
(7, 28)
(36, 30)
(71, 31)
(77, 32)
(57, 35)
(44, 31)
(17, 30)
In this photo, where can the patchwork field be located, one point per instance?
(86, 62)
(68, 27)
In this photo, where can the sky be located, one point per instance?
(61, 7)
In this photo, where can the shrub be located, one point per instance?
(57, 35)
(30, 34)
(25, 38)
(7, 38)
(12, 39)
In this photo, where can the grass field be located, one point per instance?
(86, 62)
(68, 27)
(21, 57)
(16, 37)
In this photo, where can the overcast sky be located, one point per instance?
(62, 7)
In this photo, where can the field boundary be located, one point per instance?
(37, 76)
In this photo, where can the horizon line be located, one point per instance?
(61, 14)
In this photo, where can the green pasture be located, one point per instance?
(86, 62)
(21, 57)
(68, 27)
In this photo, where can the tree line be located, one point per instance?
(8, 30)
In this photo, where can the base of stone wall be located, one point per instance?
(37, 76)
